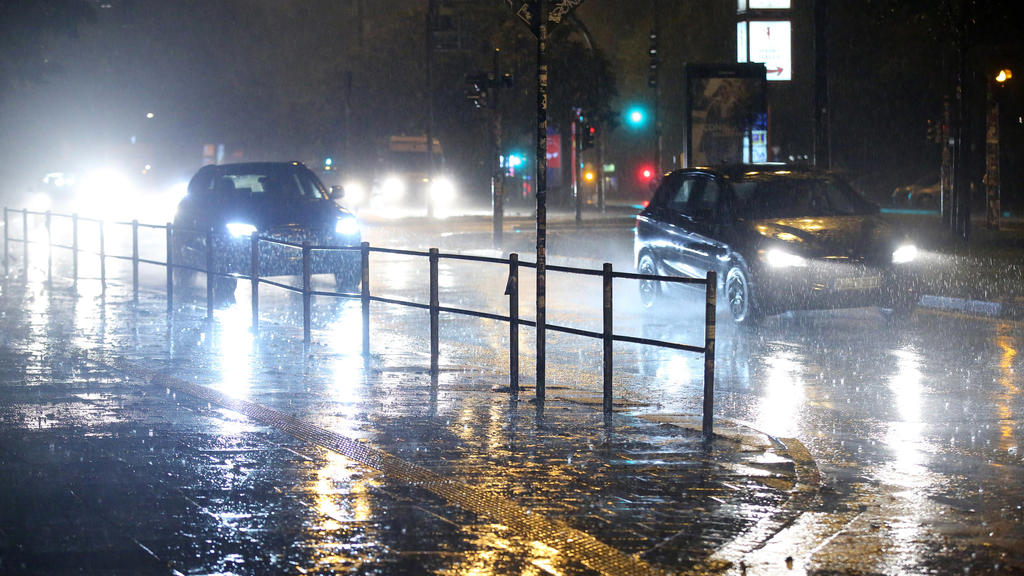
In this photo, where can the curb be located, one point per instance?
(971, 307)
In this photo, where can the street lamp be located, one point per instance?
(1004, 75)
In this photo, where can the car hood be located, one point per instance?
(856, 237)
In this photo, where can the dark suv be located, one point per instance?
(779, 237)
(281, 201)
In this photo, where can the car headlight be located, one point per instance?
(905, 253)
(442, 191)
(778, 258)
(393, 188)
(238, 229)
(347, 226)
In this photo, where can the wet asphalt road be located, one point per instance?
(915, 428)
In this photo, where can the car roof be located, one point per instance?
(242, 167)
(757, 171)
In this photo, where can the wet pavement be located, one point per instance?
(137, 443)
(134, 442)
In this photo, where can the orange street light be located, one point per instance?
(1004, 75)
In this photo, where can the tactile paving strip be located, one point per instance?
(576, 545)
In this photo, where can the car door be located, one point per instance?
(681, 255)
(708, 212)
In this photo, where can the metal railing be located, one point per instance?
(607, 274)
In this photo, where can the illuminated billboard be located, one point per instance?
(768, 42)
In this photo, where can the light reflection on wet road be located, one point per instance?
(916, 428)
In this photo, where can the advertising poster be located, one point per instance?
(726, 114)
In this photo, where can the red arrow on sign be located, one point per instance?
(776, 71)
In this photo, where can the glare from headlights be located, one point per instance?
(392, 188)
(39, 202)
(105, 193)
(239, 229)
(347, 226)
(442, 191)
(354, 193)
(777, 258)
(904, 254)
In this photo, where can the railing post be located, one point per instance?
(170, 267)
(709, 355)
(135, 260)
(210, 280)
(434, 312)
(74, 250)
(49, 251)
(7, 231)
(24, 244)
(364, 294)
(103, 262)
(306, 280)
(512, 289)
(254, 276)
(607, 336)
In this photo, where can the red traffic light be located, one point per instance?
(646, 173)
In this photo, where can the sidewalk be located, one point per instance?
(135, 443)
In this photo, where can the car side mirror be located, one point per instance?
(336, 192)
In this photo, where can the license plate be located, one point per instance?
(862, 283)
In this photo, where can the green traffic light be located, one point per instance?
(636, 116)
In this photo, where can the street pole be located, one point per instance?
(992, 159)
(822, 144)
(431, 9)
(541, 25)
(498, 179)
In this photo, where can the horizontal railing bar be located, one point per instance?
(656, 278)
(280, 285)
(474, 313)
(398, 251)
(333, 247)
(399, 302)
(154, 262)
(576, 331)
(152, 226)
(571, 270)
(472, 258)
(649, 342)
(334, 294)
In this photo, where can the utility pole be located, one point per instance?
(822, 142)
(431, 21)
(498, 179)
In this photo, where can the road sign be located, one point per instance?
(527, 10)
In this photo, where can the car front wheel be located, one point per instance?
(740, 297)
(650, 290)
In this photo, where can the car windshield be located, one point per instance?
(798, 197)
(260, 182)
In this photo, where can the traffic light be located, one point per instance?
(646, 173)
(588, 136)
(636, 116)
(653, 60)
(476, 91)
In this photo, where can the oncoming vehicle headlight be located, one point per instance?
(393, 188)
(905, 253)
(778, 258)
(347, 226)
(239, 229)
(354, 192)
(442, 191)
